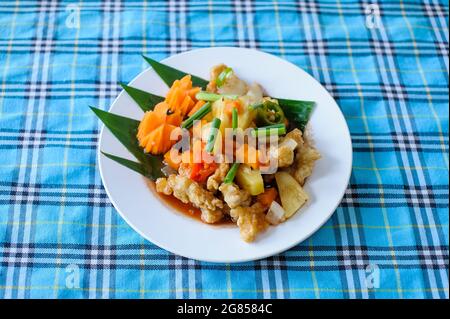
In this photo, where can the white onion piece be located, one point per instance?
(290, 143)
(276, 213)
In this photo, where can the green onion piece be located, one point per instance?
(207, 96)
(215, 124)
(205, 109)
(231, 173)
(279, 129)
(234, 118)
(223, 76)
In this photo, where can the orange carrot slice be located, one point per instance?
(186, 105)
(196, 107)
(174, 119)
(186, 82)
(156, 126)
(158, 141)
(192, 92)
(267, 197)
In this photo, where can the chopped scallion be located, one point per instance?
(234, 118)
(215, 124)
(223, 76)
(207, 96)
(205, 109)
(231, 173)
(278, 129)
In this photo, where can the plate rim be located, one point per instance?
(237, 260)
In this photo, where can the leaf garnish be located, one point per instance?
(124, 129)
(169, 74)
(135, 166)
(145, 100)
(298, 112)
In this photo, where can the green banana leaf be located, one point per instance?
(137, 167)
(169, 74)
(296, 111)
(145, 100)
(124, 129)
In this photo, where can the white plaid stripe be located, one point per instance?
(172, 27)
(93, 273)
(248, 9)
(183, 38)
(278, 277)
(37, 139)
(239, 23)
(179, 274)
(345, 242)
(360, 262)
(265, 278)
(192, 278)
(434, 256)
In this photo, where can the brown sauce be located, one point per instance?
(186, 209)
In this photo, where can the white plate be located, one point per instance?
(190, 238)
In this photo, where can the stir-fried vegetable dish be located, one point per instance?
(230, 151)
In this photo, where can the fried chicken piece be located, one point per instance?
(234, 196)
(214, 181)
(296, 135)
(184, 169)
(213, 74)
(250, 220)
(202, 198)
(188, 191)
(232, 85)
(162, 186)
(211, 216)
(254, 95)
(283, 154)
(304, 161)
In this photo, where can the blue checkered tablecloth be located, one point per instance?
(386, 64)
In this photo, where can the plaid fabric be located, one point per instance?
(60, 237)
